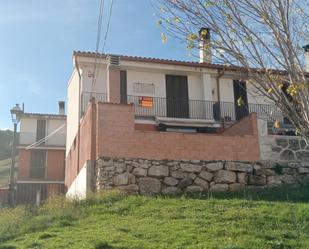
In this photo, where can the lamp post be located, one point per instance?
(16, 111)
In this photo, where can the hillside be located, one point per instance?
(273, 219)
(6, 137)
(5, 166)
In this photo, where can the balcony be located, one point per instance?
(154, 108)
(28, 138)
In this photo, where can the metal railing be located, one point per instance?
(152, 107)
(27, 138)
(200, 109)
(86, 96)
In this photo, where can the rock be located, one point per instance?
(214, 166)
(170, 181)
(202, 183)
(195, 161)
(185, 183)
(179, 174)
(139, 172)
(303, 164)
(256, 166)
(206, 175)
(242, 178)
(303, 170)
(303, 144)
(186, 167)
(282, 142)
(276, 149)
(267, 172)
(131, 189)
(224, 176)
(302, 155)
(273, 180)
(288, 179)
(219, 187)
(294, 144)
(242, 167)
(287, 155)
(192, 176)
(158, 171)
(257, 180)
(171, 190)
(149, 186)
(120, 167)
(122, 179)
(194, 189)
(236, 187)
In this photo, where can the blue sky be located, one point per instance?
(39, 36)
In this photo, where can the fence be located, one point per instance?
(152, 107)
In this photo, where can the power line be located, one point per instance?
(100, 22)
(108, 24)
(37, 143)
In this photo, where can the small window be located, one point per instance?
(144, 88)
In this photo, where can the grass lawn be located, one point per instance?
(270, 219)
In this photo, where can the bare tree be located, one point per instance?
(264, 38)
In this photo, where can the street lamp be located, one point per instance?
(16, 112)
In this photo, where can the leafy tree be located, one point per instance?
(264, 38)
(6, 137)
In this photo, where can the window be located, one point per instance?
(38, 164)
(144, 88)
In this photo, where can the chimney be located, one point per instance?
(61, 107)
(205, 46)
(113, 78)
(306, 48)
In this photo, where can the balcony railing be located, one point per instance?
(152, 107)
(86, 96)
(27, 138)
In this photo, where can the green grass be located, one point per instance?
(264, 219)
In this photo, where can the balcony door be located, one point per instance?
(38, 164)
(241, 99)
(177, 99)
(40, 130)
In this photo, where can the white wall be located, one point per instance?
(59, 138)
(81, 186)
(72, 110)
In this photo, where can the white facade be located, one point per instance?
(28, 130)
(202, 87)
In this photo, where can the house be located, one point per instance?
(133, 121)
(41, 147)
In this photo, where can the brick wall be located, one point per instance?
(83, 147)
(117, 137)
(24, 159)
(55, 165)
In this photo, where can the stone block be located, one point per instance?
(171, 191)
(303, 170)
(139, 172)
(192, 176)
(123, 179)
(224, 176)
(274, 180)
(206, 175)
(267, 172)
(294, 144)
(179, 174)
(219, 187)
(287, 155)
(131, 189)
(202, 183)
(282, 142)
(241, 167)
(288, 179)
(236, 187)
(149, 186)
(257, 180)
(185, 183)
(302, 155)
(242, 178)
(158, 171)
(214, 166)
(170, 181)
(194, 189)
(190, 168)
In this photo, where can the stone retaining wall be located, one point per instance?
(169, 177)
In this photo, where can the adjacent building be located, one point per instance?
(41, 147)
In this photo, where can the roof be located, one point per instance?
(43, 115)
(162, 61)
